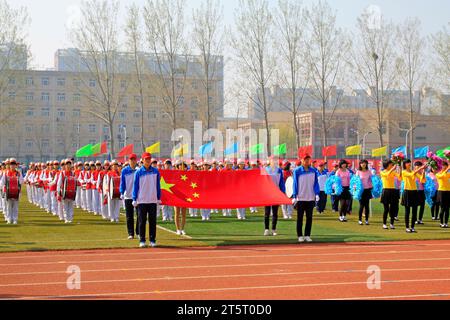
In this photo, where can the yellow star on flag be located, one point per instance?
(166, 186)
(189, 200)
(194, 185)
(196, 195)
(184, 177)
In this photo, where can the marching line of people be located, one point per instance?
(102, 189)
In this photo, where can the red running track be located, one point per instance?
(408, 270)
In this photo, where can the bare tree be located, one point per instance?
(290, 27)
(325, 49)
(208, 41)
(14, 53)
(133, 31)
(253, 56)
(441, 45)
(411, 68)
(96, 36)
(373, 63)
(165, 29)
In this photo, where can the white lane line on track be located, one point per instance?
(161, 292)
(220, 257)
(173, 232)
(209, 250)
(432, 295)
(168, 278)
(211, 266)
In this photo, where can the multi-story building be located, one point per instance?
(53, 113)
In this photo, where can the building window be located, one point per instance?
(181, 100)
(76, 128)
(194, 85)
(194, 103)
(92, 128)
(28, 128)
(76, 97)
(29, 81)
(423, 125)
(29, 144)
(61, 113)
(45, 96)
(105, 129)
(61, 82)
(45, 112)
(152, 114)
(421, 138)
(92, 83)
(76, 82)
(12, 81)
(29, 96)
(11, 143)
(12, 96)
(61, 97)
(45, 81)
(29, 112)
(137, 99)
(137, 114)
(122, 115)
(121, 145)
(45, 144)
(76, 112)
(136, 129)
(46, 128)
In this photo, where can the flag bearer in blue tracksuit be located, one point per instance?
(306, 194)
(276, 174)
(126, 194)
(322, 176)
(146, 196)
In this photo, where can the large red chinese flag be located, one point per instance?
(126, 151)
(305, 151)
(330, 151)
(220, 189)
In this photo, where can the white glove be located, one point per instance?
(317, 198)
(135, 204)
(122, 197)
(294, 201)
(159, 202)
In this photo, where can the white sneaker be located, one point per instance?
(308, 239)
(153, 244)
(445, 225)
(442, 225)
(130, 238)
(183, 233)
(301, 239)
(178, 232)
(8, 222)
(267, 233)
(385, 227)
(112, 220)
(392, 227)
(203, 219)
(142, 245)
(274, 233)
(360, 223)
(15, 222)
(341, 219)
(367, 223)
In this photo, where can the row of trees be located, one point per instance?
(290, 45)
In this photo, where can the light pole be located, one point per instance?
(406, 138)
(357, 137)
(364, 143)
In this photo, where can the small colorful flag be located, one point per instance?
(380, 152)
(156, 148)
(280, 150)
(354, 150)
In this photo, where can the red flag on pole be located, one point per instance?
(305, 151)
(206, 189)
(329, 151)
(103, 149)
(126, 151)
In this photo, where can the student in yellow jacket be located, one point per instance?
(410, 193)
(443, 195)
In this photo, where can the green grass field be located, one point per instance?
(38, 230)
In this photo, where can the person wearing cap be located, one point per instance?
(286, 209)
(102, 191)
(275, 172)
(345, 198)
(113, 204)
(167, 211)
(95, 194)
(89, 186)
(77, 171)
(126, 191)
(67, 204)
(305, 194)
(146, 196)
(180, 213)
(27, 182)
(12, 205)
(83, 182)
(52, 187)
(334, 199)
(322, 176)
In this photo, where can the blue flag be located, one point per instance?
(421, 152)
(401, 149)
(232, 150)
(206, 149)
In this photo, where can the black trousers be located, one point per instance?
(334, 203)
(130, 210)
(322, 203)
(147, 211)
(435, 208)
(274, 211)
(364, 205)
(444, 214)
(344, 207)
(407, 215)
(421, 211)
(392, 210)
(305, 207)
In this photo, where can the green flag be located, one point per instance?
(257, 149)
(280, 150)
(440, 153)
(84, 152)
(97, 148)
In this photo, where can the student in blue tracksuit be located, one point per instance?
(276, 173)
(146, 196)
(126, 192)
(306, 193)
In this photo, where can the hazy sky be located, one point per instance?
(50, 17)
